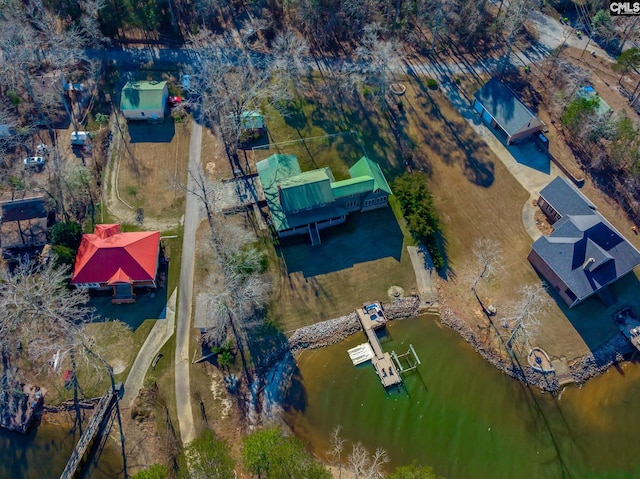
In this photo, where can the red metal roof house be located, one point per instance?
(109, 258)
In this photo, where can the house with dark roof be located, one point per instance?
(500, 108)
(23, 226)
(144, 100)
(307, 202)
(584, 254)
(108, 258)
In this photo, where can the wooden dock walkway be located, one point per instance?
(102, 412)
(371, 317)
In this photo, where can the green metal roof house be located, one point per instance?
(307, 202)
(144, 100)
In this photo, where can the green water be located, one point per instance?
(463, 417)
(43, 454)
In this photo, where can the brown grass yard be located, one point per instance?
(356, 262)
(478, 198)
(155, 154)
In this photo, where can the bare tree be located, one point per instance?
(511, 23)
(522, 319)
(358, 460)
(229, 83)
(288, 64)
(375, 59)
(337, 448)
(487, 256)
(40, 311)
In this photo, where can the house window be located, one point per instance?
(141, 113)
(382, 199)
(369, 202)
(351, 204)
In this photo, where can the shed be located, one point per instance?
(144, 100)
(499, 107)
(24, 225)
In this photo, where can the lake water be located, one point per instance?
(43, 454)
(465, 418)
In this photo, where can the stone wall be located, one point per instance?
(335, 330)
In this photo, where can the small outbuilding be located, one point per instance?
(584, 254)
(144, 100)
(23, 226)
(499, 107)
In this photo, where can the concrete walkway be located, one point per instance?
(424, 270)
(160, 333)
(183, 330)
(529, 219)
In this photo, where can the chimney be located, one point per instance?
(587, 264)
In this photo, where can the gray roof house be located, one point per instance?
(500, 107)
(584, 254)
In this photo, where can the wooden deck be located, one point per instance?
(101, 414)
(382, 362)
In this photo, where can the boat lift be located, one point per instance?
(412, 360)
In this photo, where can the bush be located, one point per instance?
(432, 84)
(66, 233)
(63, 255)
(420, 213)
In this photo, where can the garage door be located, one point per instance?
(486, 117)
(478, 107)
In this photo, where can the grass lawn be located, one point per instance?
(474, 192)
(357, 261)
(154, 155)
(478, 198)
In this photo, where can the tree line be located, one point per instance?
(270, 454)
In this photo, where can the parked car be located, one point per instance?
(34, 162)
(174, 100)
(79, 138)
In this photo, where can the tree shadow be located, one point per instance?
(475, 167)
(364, 237)
(593, 320)
(150, 304)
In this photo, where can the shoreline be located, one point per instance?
(617, 349)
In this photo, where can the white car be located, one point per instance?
(79, 138)
(34, 161)
(186, 82)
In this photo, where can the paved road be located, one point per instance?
(159, 335)
(182, 361)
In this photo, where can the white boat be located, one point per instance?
(361, 353)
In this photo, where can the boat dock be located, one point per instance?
(100, 416)
(372, 318)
